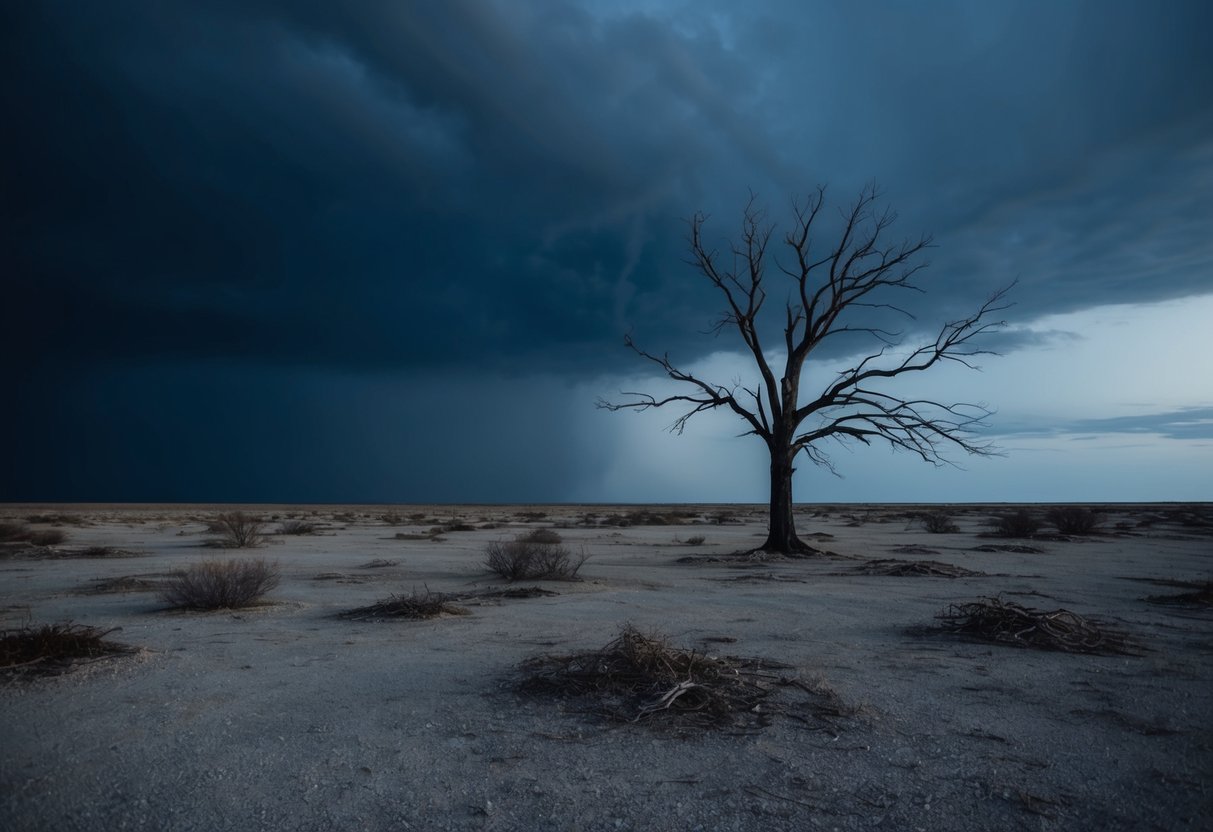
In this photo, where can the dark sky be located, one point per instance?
(315, 251)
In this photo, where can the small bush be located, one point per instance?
(213, 585)
(1020, 523)
(238, 530)
(1073, 519)
(296, 527)
(52, 647)
(542, 536)
(47, 537)
(936, 522)
(14, 532)
(696, 540)
(517, 560)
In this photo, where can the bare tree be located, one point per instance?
(827, 288)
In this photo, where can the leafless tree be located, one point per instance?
(828, 288)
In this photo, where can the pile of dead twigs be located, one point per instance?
(914, 568)
(638, 677)
(1005, 622)
(1202, 595)
(427, 604)
(51, 648)
(416, 605)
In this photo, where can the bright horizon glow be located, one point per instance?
(1047, 397)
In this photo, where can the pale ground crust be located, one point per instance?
(284, 717)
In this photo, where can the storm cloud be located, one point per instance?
(472, 202)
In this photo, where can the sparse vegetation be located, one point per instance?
(417, 605)
(638, 677)
(1202, 595)
(1004, 622)
(1019, 523)
(379, 563)
(938, 522)
(124, 583)
(893, 567)
(47, 537)
(14, 532)
(296, 527)
(53, 647)
(220, 584)
(542, 536)
(522, 559)
(1073, 519)
(695, 540)
(238, 530)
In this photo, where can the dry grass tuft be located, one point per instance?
(220, 584)
(296, 527)
(1004, 622)
(1202, 595)
(52, 648)
(914, 568)
(123, 583)
(639, 677)
(1073, 519)
(937, 522)
(547, 536)
(237, 530)
(1019, 523)
(14, 532)
(378, 563)
(522, 559)
(415, 606)
(47, 537)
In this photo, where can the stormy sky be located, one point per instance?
(387, 252)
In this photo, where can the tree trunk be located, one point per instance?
(781, 538)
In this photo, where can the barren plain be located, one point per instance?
(283, 716)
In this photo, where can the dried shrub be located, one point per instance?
(14, 532)
(1019, 523)
(238, 530)
(938, 522)
(54, 647)
(1003, 622)
(104, 552)
(378, 563)
(416, 606)
(638, 677)
(695, 540)
(124, 583)
(47, 537)
(1073, 519)
(517, 560)
(1201, 596)
(220, 584)
(296, 527)
(646, 517)
(914, 568)
(542, 536)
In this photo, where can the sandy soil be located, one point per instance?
(285, 717)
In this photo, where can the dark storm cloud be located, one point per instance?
(395, 185)
(210, 203)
